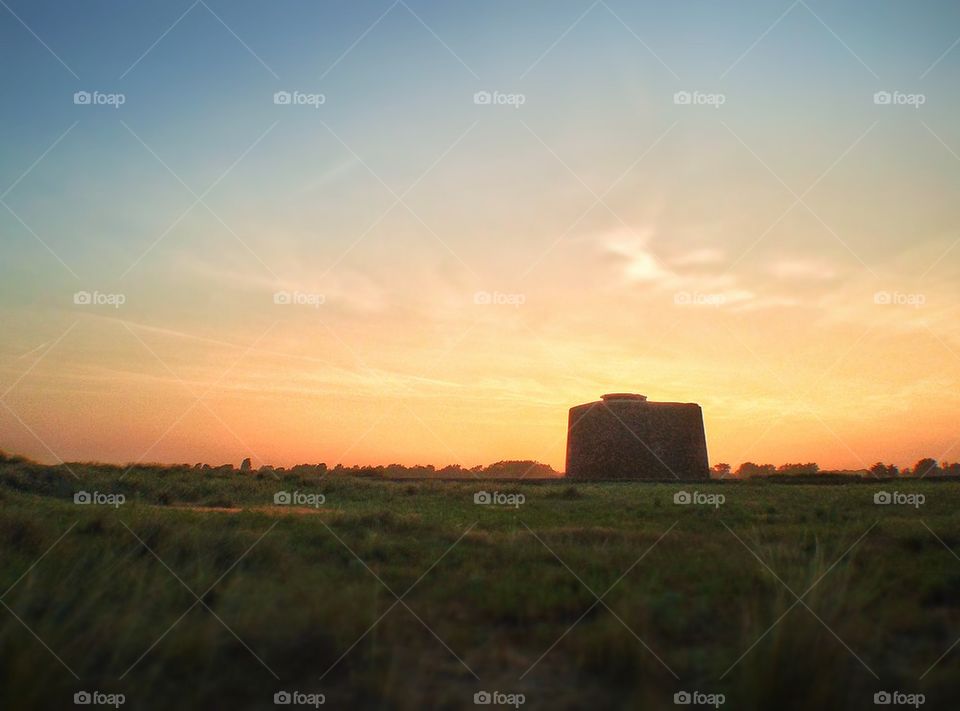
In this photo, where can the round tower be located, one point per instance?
(625, 436)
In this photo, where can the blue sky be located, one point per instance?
(599, 199)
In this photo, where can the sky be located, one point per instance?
(420, 231)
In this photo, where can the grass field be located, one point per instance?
(198, 591)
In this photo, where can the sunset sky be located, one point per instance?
(781, 249)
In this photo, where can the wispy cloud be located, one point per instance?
(802, 269)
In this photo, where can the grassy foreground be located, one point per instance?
(198, 591)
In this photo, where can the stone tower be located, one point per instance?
(625, 436)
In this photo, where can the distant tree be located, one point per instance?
(722, 469)
(951, 469)
(391, 470)
(246, 465)
(309, 469)
(516, 469)
(749, 469)
(882, 470)
(810, 468)
(926, 467)
(11, 458)
(452, 470)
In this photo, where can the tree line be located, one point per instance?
(923, 468)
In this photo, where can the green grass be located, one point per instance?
(497, 596)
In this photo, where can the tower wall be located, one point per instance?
(626, 437)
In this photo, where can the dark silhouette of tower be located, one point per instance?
(625, 436)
